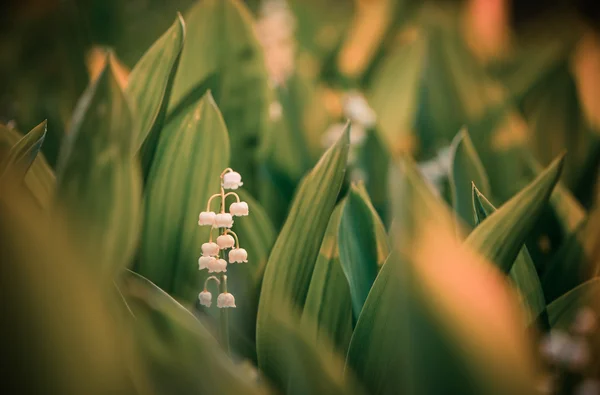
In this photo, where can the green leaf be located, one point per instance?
(562, 311)
(180, 354)
(500, 238)
(292, 260)
(99, 183)
(328, 309)
(296, 364)
(523, 273)
(221, 41)
(24, 152)
(149, 87)
(191, 154)
(466, 170)
(363, 245)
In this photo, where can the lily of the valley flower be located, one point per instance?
(204, 262)
(232, 180)
(223, 220)
(225, 241)
(239, 209)
(358, 110)
(238, 255)
(205, 298)
(225, 300)
(206, 218)
(217, 266)
(210, 249)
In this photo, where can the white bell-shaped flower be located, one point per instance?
(225, 300)
(239, 209)
(232, 180)
(205, 261)
(223, 220)
(238, 255)
(357, 109)
(218, 266)
(210, 249)
(206, 218)
(205, 298)
(225, 241)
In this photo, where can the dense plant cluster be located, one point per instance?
(415, 217)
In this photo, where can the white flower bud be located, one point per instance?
(206, 218)
(205, 298)
(218, 266)
(224, 220)
(210, 249)
(225, 241)
(205, 261)
(232, 180)
(225, 300)
(238, 255)
(239, 209)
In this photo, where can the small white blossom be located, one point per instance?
(225, 300)
(232, 180)
(218, 266)
(205, 298)
(224, 220)
(206, 218)
(358, 110)
(239, 209)
(588, 387)
(205, 261)
(210, 249)
(225, 241)
(238, 255)
(586, 321)
(559, 347)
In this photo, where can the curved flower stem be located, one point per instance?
(211, 278)
(228, 170)
(232, 193)
(211, 198)
(237, 242)
(210, 239)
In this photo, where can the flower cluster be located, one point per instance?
(213, 253)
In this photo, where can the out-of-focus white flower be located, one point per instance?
(578, 354)
(435, 170)
(238, 255)
(232, 180)
(358, 110)
(225, 241)
(275, 111)
(206, 218)
(210, 249)
(205, 298)
(561, 348)
(588, 387)
(205, 261)
(223, 220)
(554, 343)
(586, 321)
(332, 134)
(225, 300)
(218, 266)
(239, 209)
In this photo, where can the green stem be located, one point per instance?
(224, 319)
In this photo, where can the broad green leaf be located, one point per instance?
(292, 260)
(99, 183)
(24, 152)
(191, 154)
(417, 332)
(466, 169)
(562, 311)
(149, 88)
(363, 245)
(180, 354)
(500, 238)
(298, 365)
(62, 321)
(221, 41)
(576, 260)
(328, 310)
(40, 178)
(523, 273)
